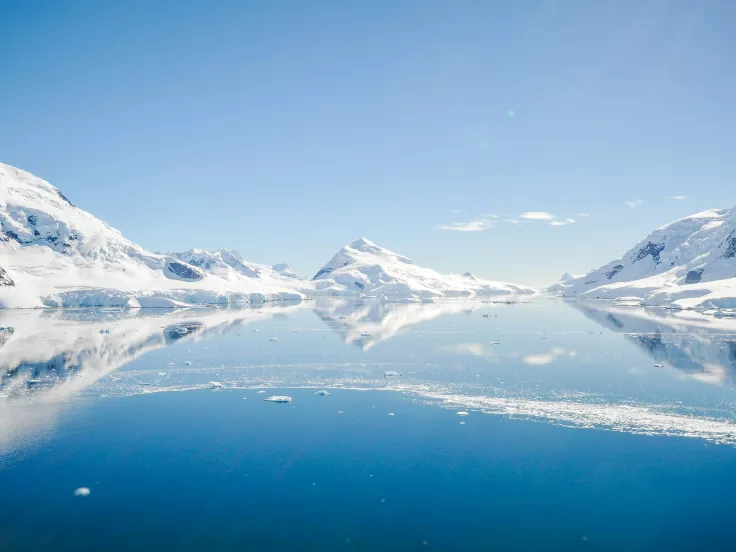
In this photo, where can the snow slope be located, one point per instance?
(55, 254)
(689, 263)
(364, 269)
(230, 265)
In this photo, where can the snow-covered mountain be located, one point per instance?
(230, 265)
(54, 254)
(687, 263)
(364, 269)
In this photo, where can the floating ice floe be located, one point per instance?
(187, 363)
(162, 373)
(390, 413)
(215, 385)
(278, 399)
(495, 342)
(462, 413)
(261, 392)
(389, 373)
(82, 491)
(322, 393)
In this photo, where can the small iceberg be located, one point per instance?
(215, 385)
(659, 365)
(82, 491)
(495, 342)
(278, 399)
(462, 413)
(261, 392)
(187, 363)
(322, 393)
(390, 373)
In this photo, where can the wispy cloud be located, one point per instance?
(537, 215)
(563, 222)
(470, 226)
(678, 197)
(457, 211)
(634, 204)
(583, 215)
(517, 221)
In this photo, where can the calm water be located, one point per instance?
(589, 428)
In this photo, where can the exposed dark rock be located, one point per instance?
(693, 277)
(616, 269)
(360, 285)
(321, 272)
(5, 280)
(62, 196)
(730, 246)
(650, 249)
(183, 271)
(32, 220)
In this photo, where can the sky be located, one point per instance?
(514, 140)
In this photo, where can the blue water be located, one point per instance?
(582, 433)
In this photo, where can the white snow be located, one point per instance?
(364, 269)
(57, 255)
(278, 399)
(53, 254)
(688, 263)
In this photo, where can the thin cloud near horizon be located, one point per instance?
(537, 215)
(471, 226)
(634, 204)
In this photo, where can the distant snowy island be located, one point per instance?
(53, 254)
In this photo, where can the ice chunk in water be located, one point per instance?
(278, 399)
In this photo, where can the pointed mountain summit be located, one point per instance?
(364, 268)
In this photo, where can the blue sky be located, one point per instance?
(286, 129)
